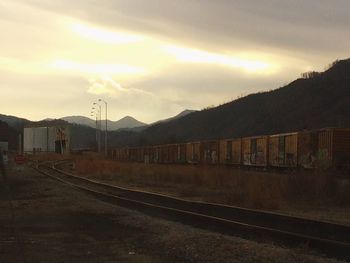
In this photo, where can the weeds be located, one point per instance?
(223, 184)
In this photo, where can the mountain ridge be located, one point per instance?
(126, 122)
(320, 99)
(317, 100)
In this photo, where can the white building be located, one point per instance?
(46, 139)
(4, 147)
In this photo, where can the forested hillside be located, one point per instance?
(317, 100)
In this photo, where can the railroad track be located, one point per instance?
(329, 239)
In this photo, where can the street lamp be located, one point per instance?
(99, 137)
(94, 114)
(106, 131)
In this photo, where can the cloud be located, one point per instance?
(197, 86)
(107, 85)
(68, 65)
(104, 85)
(105, 36)
(113, 49)
(270, 25)
(200, 56)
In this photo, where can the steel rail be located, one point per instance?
(223, 219)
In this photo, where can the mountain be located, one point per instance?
(124, 123)
(180, 115)
(80, 120)
(317, 100)
(10, 135)
(183, 114)
(13, 121)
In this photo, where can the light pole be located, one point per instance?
(99, 137)
(94, 114)
(106, 131)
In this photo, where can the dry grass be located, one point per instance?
(222, 184)
(47, 156)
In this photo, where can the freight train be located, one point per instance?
(328, 147)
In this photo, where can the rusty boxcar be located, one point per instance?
(237, 151)
(328, 147)
(307, 148)
(231, 151)
(224, 152)
(283, 150)
(181, 153)
(209, 152)
(255, 151)
(333, 147)
(193, 152)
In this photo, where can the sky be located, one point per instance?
(152, 59)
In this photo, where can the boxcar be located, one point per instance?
(148, 153)
(164, 154)
(307, 148)
(133, 154)
(173, 153)
(124, 154)
(140, 154)
(231, 151)
(210, 152)
(283, 150)
(181, 153)
(157, 154)
(193, 152)
(224, 152)
(112, 154)
(255, 150)
(117, 154)
(237, 151)
(334, 147)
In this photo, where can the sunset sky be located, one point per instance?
(151, 59)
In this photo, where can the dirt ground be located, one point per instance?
(42, 220)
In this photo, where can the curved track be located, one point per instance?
(327, 238)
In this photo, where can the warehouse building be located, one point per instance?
(55, 139)
(4, 137)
